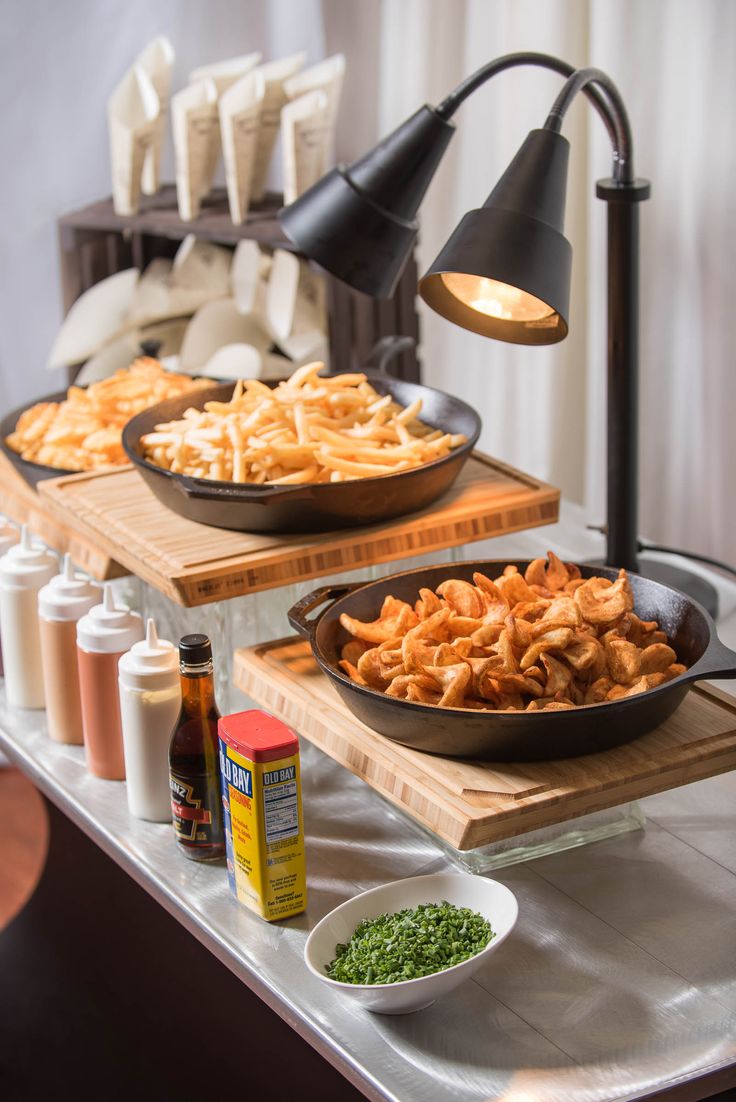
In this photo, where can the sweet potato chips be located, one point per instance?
(544, 640)
(83, 432)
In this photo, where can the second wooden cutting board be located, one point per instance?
(472, 804)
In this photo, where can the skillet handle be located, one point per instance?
(254, 494)
(297, 614)
(718, 661)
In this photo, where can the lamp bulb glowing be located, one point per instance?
(496, 300)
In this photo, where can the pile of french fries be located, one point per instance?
(310, 428)
(546, 640)
(83, 432)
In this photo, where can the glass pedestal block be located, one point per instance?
(248, 620)
(595, 827)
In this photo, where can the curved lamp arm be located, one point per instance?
(588, 80)
(602, 93)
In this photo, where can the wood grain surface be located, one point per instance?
(471, 804)
(22, 504)
(194, 564)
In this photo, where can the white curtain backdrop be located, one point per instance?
(543, 409)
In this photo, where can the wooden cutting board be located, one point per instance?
(22, 504)
(471, 804)
(194, 564)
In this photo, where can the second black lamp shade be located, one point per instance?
(505, 271)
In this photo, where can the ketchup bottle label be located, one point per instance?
(195, 810)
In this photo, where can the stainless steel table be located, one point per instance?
(619, 980)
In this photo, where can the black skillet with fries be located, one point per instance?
(308, 454)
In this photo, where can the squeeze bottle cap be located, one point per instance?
(149, 664)
(107, 629)
(9, 534)
(28, 564)
(68, 596)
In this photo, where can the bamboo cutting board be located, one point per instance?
(194, 564)
(22, 504)
(471, 804)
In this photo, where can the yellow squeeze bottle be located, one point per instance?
(262, 803)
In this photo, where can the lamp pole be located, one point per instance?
(623, 369)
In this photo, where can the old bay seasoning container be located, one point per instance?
(264, 831)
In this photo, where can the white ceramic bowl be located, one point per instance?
(489, 898)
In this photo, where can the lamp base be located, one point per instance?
(692, 585)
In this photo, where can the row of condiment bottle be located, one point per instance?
(67, 646)
(143, 716)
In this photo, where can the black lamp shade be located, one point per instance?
(505, 272)
(359, 222)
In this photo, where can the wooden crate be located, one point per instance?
(194, 564)
(472, 804)
(94, 242)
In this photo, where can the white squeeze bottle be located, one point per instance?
(150, 701)
(64, 601)
(24, 569)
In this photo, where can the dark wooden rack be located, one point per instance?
(95, 242)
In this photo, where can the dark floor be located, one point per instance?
(106, 997)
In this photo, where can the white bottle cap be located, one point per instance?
(107, 629)
(9, 534)
(28, 565)
(68, 596)
(151, 664)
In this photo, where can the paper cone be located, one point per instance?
(327, 77)
(132, 113)
(240, 112)
(194, 120)
(157, 61)
(305, 143)
(274, 98)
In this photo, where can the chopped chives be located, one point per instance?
(410, 943)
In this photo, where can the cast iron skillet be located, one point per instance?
(33, 473)
(512, 736)
(315, 507)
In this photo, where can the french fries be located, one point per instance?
(83, 432)
(310, 428)
(547, 640)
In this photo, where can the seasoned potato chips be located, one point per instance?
(83, 432)
(547, 640)
(309, 428)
